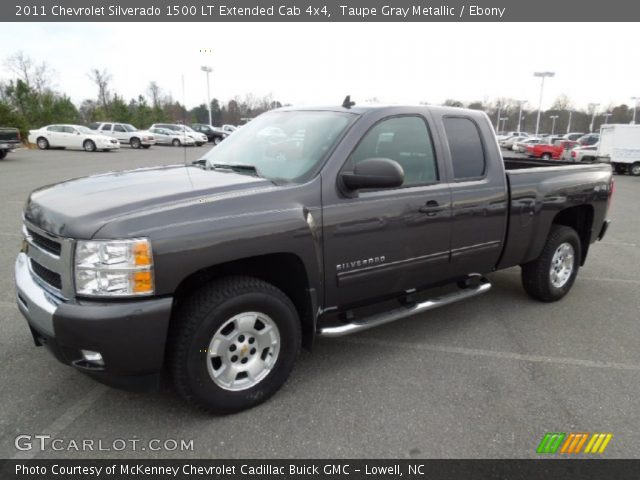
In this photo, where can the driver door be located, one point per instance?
(384, 242)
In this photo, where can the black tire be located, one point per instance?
(546, 156)
(89, 146)
(620, 169)
(202, 314)
(3, 153)
(199, 144)
(536, 275)
(634, 169)
(135, 143)
(216, 140)
(176, 142)
(146, 147)
(43, 143)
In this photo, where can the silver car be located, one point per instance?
(164, 136)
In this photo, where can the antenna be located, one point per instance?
(347, 103)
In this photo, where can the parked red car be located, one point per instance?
(548, 152)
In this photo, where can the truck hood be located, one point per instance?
(78, 208)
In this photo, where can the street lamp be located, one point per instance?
(553, 123)
(635, 106)
(520, 113)
(208, 70)
(498, 118)
(606, 117)
(593, 106)
(542, 76)
(569, 122)
(504, 122)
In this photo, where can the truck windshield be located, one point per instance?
(282, 146)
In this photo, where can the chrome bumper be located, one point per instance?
(35, 303)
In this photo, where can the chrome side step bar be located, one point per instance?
(403, 312)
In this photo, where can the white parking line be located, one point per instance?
(476, 352)
(7, 234)
(64, 420)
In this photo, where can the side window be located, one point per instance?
(405, 140)
(465, 145)
(94, 126)
(118, 128)
(54, 128)
(68, 130)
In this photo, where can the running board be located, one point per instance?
(403, 312)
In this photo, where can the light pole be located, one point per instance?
(504, 122)
(208, 70)
(635, 106)
(593, 116)
(553, 123)
(520, 113)
(606, 117)
(542, 76)
(569, 122)
(498, 118)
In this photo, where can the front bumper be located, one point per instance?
(130, 335)
(147, 142)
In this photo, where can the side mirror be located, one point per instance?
(374, 173)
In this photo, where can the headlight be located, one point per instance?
(114, 268)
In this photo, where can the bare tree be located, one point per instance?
(102, 79)
(37, 76)
(155, 93)
(563, 102)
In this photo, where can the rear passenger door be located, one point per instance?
(479, 195)
(120, 133)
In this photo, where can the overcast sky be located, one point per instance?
(313, 63)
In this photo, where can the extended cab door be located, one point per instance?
(478, 192)
(377, 243)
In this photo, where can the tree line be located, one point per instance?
(29, 100)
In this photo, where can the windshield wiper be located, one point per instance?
(239, 168)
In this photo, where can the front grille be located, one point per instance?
(45, 243)
(52, 278)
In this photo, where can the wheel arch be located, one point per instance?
(580, 218)
(285, 271)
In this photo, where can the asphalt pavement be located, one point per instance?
(484, 378)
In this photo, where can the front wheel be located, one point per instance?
(634, 169)
(235, 342)
(550, 276)
(176, 142)
(216, 140)
(546, 156)
(43, 143)
(89, 146)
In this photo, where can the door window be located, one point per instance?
(465, 145)
(405, 140)
(118, 128)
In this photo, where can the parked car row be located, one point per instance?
(108, 136)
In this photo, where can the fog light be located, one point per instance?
(92, 357)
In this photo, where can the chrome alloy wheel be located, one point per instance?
(243, 351)
(562, 265)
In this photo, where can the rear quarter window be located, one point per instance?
(465, 146)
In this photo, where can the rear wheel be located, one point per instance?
(550, 276)
(43, 143)
(135, 142)
(176, 142)
(634, 169)
(234, 344)
(546, 156)
(89, 146)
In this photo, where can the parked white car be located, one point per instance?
(125, 133)
(199, 138)
(508, 142)
(72, 136)
(164, 136)
(582, 154)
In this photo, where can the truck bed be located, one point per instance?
(538, 190)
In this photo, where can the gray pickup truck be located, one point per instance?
(9, 139)
(304, 223)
